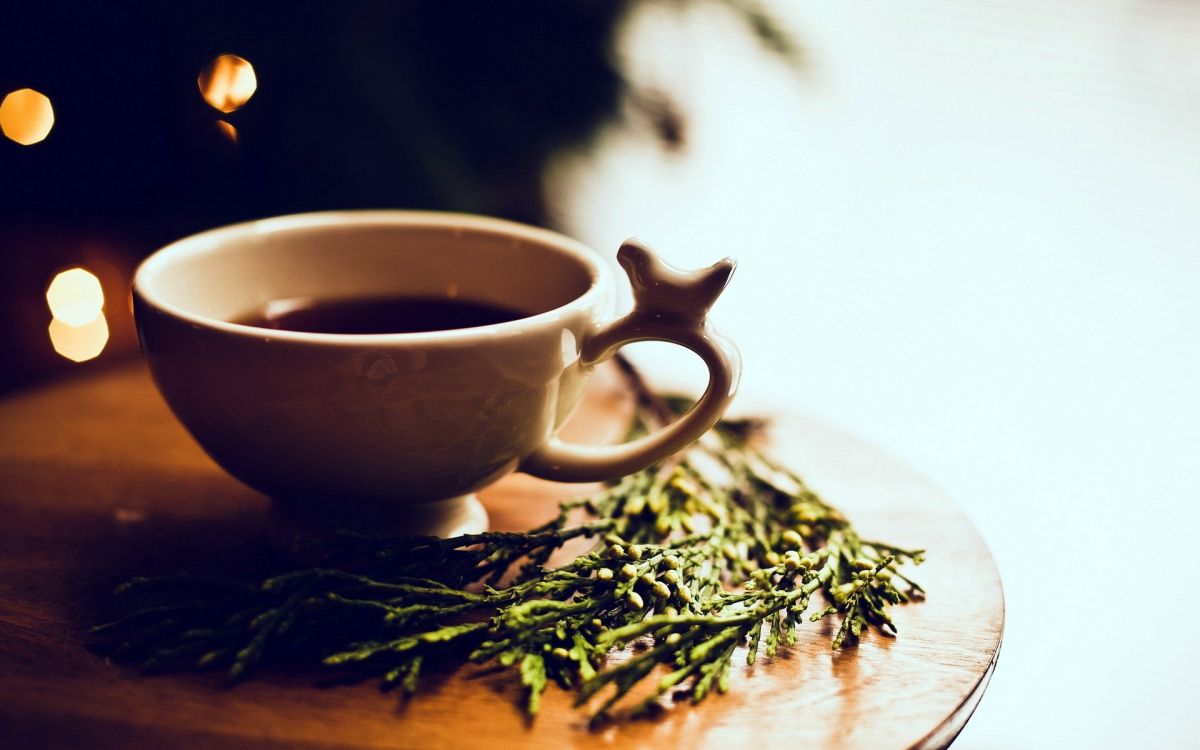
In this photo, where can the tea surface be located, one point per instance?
(359, 315)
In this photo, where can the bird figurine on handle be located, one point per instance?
(667, 293)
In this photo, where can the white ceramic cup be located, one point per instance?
(350, 429)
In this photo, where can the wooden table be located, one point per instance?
(99, 482)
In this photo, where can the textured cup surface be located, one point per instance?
(397, 417)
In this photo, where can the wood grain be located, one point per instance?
(98, 482)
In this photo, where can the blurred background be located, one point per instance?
(973, 227)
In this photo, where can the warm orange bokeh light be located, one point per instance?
(228, 131)
(227, 82)
(79, 331)
(75, 297)
(26, 116)
(79, 343)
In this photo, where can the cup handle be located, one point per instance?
(671, 306)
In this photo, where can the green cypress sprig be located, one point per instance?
(717, 548)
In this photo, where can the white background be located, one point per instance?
(968, 233)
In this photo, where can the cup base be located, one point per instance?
(294, 527)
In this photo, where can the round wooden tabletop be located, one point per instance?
(99, 482)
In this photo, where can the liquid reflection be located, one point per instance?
(228, 131)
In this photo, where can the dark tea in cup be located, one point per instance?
(372, 315)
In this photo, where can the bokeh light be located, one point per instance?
(75, 297)
(79, 331)
(227, 82)
(79, 343)
(26, 116)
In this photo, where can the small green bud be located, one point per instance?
(792, 539)
(846, 589)
(671, 562)
(604, 574)
(804, 529)
(684, 594)
(808, 563)
(670, 611)
(616, 551)
(862, 564)
(662, 526)
(633, 599)
(613, 539)
(660, 590)
(685, 485)
(561, 653)
(791, 563)
(597, 624)
(628, 572)
(773, 558)
(671, 576)
(635, 552)
(635, 505)
(673, 638)
(648, 579)
(208, 658)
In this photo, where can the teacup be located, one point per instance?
(400, 429)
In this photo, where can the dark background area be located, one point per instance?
(454, 105)
(426, 105)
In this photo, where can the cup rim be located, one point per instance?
(599, 271)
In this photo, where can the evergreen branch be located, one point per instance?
(718, 547)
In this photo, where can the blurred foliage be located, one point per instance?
(456, 104)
